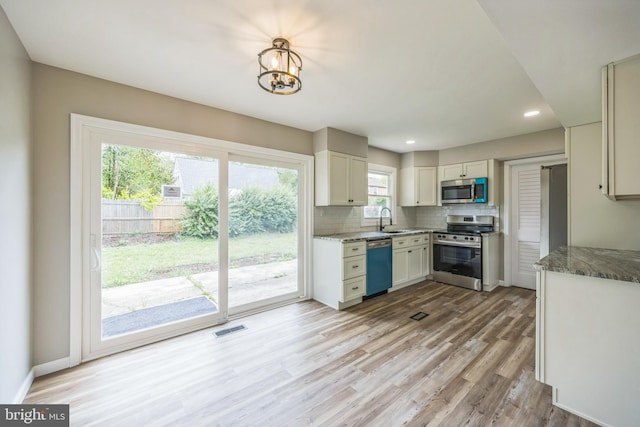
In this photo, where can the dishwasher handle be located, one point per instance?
(373, 244)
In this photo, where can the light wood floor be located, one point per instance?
(470, 362)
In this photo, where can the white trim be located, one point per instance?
(554, 401)
(24, 388)
(506, 208)
(53, 366)
(412, 282)
(489, 288)
(393, 188)
(75, 242)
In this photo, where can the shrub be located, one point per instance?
(202, 218)
(257, 210)
(254, 210)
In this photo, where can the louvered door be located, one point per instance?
(525, 189)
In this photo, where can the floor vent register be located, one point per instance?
(225, 332)
(419, 316)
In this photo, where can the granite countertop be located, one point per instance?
(370, 235)
(611, 264)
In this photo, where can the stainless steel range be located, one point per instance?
(458, 251)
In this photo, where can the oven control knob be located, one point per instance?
(455, 237)
(466, 238)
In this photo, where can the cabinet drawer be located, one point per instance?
(416, 240)
(410, 241)
(353, 288)
(400, 242)
(354, 266)
(354, 249)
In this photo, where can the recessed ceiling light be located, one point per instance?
(411, 141)
(532, 113)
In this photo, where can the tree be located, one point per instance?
(130, 171)
(288, 178)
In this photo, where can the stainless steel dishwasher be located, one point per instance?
(378, 266)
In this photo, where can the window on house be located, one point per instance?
(381, 189)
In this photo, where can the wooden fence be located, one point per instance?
(128, 217)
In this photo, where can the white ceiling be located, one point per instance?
(440, 72)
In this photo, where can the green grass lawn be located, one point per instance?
(123, 265)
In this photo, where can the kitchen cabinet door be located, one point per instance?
(358, 181)
(449, 172)
(414, 263)
(621, 129)
(341, 179)
(426, 186)
(418, 186)
(475, 169)
(338, 177)
(400, 266)
(426, 261)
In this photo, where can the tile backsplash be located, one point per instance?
(336, 220)
(435, 217)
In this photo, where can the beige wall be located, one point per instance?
(515, 147)
(594, 220)
(15, 214)
(378, 156)
(57, 93)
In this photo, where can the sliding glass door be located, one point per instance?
(177, 233)
(154, 241)
(264, 236)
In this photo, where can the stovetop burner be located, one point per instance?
(459, 233)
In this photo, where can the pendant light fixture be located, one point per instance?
(280, 67)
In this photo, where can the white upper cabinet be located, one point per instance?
(418, 186)
(341, 179)
(621, 129)
(477, 169)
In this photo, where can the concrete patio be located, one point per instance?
(246, 284)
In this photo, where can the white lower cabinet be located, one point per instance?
(411, 259)
(339, 272)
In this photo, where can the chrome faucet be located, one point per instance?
(390, 219)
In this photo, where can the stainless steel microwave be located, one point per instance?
(472, 190)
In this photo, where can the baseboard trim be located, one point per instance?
(489, 288)
(24, 388)
(407, 283)
(581, 415)
(50, 367)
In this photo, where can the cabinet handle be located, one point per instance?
(410, 251)
(355, 266)
(401, 243)
(357, 287)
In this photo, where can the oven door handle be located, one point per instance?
(458, 244)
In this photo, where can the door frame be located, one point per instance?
(80, 126)
(507, 207)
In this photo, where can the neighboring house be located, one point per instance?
(192, 173)
(377, 187)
